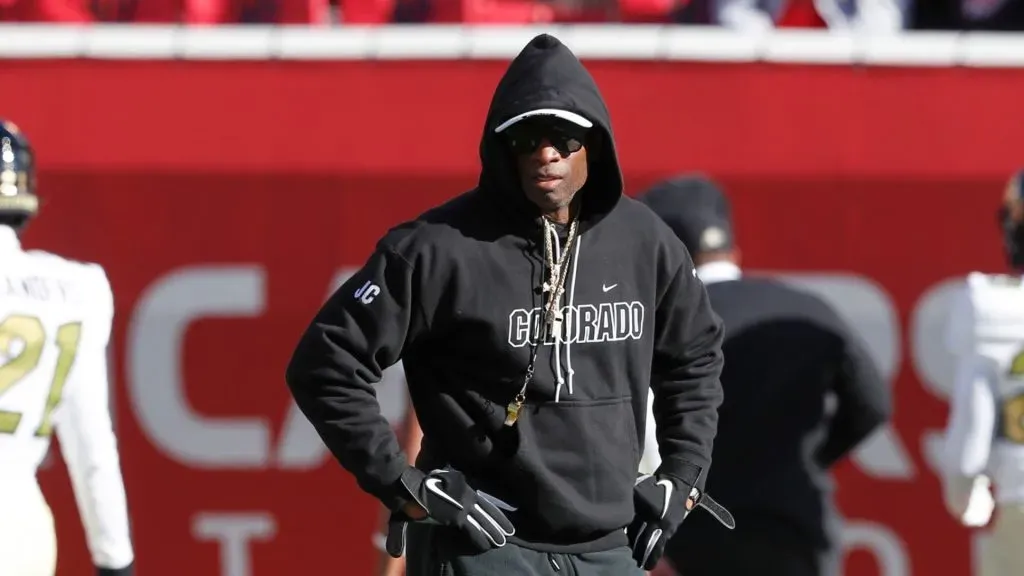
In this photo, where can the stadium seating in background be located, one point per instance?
(192, 12)
(57, 11)
(868, 16)
(207, 12)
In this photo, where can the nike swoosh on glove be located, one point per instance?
(660, 507)
(450, 501)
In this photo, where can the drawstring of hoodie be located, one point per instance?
(555, 288)
(572, 299)
(556, 298)
(558, 270)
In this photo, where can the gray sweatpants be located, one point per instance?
(437, 551)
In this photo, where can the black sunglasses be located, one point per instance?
(526, 137)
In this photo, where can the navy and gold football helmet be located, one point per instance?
(1011, 220)
(18, 199)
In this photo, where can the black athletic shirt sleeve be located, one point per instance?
(358, 333)
(864, 403)
(685, 376)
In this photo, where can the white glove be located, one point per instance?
(980, 504)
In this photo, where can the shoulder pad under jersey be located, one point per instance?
(87, 282)
(996, 306)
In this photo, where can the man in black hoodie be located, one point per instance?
(532, 315)
(789, 353)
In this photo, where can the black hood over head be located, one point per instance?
(546, 74)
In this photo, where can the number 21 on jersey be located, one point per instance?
(22, 341)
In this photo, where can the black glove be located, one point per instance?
(128, 570)
(449, 501)
(660, 507)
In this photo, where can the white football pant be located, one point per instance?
(1003, 552)
(28, 544)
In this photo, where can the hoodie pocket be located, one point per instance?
(584, 456)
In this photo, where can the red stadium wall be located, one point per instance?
(223, 198)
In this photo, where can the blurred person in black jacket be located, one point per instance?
(800, 394)
(970, 15)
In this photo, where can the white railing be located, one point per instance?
(619, 42)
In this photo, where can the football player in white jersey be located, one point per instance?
(55, 322)
(985, 433)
